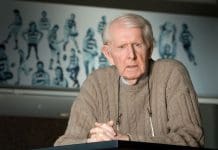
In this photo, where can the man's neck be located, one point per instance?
(129, 82)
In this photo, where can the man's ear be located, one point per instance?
(150, 51)
(107, 53)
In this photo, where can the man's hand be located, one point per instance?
(105, 132)
(102, 132)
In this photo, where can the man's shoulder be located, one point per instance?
(105, 70)
(168, 64)
(104, 74)
(163, 68)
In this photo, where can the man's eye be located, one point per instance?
(122, 47)
(138, 45)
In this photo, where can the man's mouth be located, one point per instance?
(132, 67)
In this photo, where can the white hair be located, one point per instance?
(131, 21)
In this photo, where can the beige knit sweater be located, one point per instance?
(173, 102)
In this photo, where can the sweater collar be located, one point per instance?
(143, 81)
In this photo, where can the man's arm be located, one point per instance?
(82, 117)
(183, 109)
(183, 117)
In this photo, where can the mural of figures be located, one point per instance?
(54, 46)
(14, 28)
(71, 39)
(5, 73)
(89, 51)
(186, 40)
(101, 25)
(59, 80)
(73, 68)
(44, 22)
(22, 66)
(70, 31)
(32, 36)
(167, 40)
(40, 77)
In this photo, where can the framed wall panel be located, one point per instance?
(64, 41)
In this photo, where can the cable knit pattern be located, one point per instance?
(174, 106)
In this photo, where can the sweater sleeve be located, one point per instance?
(82, 117)
(183, 122)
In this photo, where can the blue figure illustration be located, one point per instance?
(73, 68)
(89, 51)
(54, 46)
(5, 73)
(64, 57)
(22, 66)
(167, 40)
(44, 22)
(186, 38)
(102, 61)
(32, 36)
(70, 31)
(101, 25)
(59, 80)
(40, 77)
(14, 28)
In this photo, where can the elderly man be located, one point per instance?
(136, 98)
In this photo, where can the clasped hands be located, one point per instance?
(105, 132)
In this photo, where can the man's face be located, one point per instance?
(127, 51)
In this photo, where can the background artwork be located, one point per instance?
(167, 40)
(186, 38)
(61, 58)
(57, 46)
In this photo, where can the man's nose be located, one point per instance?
(131, 52)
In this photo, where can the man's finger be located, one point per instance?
(101, 131)
(107, 127)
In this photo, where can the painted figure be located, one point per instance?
(102, 60)
(5, 73)
(186, 38)
(59, 80)
(70, 31)
(167, 40)
(32, 36)
(44, 22)
(73, 68)
(101, 25)
(22, 66)
(54, 46)
(14, 28)
(89, 51)
(40, 77)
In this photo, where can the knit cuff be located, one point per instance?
(130, 137)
